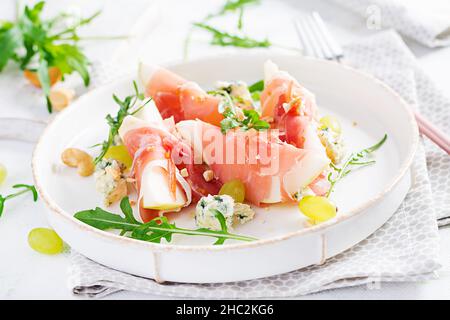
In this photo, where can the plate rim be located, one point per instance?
(159, 247)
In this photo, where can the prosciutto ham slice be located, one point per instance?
(158, 158)
(271, 170)
(178, 98)
(290, 106)
(293, 111)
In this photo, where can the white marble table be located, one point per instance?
(27, 274)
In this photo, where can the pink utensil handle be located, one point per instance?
(433, 133)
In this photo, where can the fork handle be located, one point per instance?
(433, 133)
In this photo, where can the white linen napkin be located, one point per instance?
(404, 249)
(428, 22)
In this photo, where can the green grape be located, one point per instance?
(46, 241)
(119, 153)
(3, 173)
(317, 209)
(332, 123)
(235, 189)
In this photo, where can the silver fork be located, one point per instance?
(316, 39)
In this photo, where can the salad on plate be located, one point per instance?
(221, 152)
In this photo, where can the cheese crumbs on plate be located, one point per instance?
(110, 180)
(234, 213)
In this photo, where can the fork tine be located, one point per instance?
(304, 40)
(318, 35)
(311, 42)
(335, 48)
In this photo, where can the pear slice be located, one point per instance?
(275, 191)
(155, 192)
(130, 123)
(148, 116)
(308, 168)
(191, 132)
(148, 113)
(270, 71)
(146, 72)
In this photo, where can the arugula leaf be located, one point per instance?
(71, 32)
(34, 13)
(114, 123)
(256, 89)
(257, 86)
(127, 210)
(153, 231)
(373, 148)
(2, 204)
(228, 124)
(104, 220)
(223, 225)
(26, 188)
(44, 79)
(251, 119)
(69, 58)
(233, 6)
(10, 40)
(160, 228)
(224, 39)
(355, 159)
(37, 44)
(240, 19)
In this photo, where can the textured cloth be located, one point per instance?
(388, 58)
(428, 25)
(405, 249)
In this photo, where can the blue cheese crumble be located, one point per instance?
(110, 180)
(333, 144)
(234, 213)
(239, 92)
(242, 213)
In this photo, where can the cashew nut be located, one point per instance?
(184, 173)
(208, 175)
(77, 158)
(61, 97)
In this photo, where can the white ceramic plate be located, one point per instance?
(367, 110)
